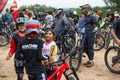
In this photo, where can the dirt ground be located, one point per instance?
(97, 72)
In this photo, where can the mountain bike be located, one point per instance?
(77, 51)
(6, 29)
(68, 72)
(99, 42)
(112, 59)
(65, 42)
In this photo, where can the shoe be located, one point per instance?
(86, 63)
(90, 64)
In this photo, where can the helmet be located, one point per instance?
(20, 20)
(58, 12)
(86, 6)
(32, 26)
(49, 11)
(75, 12)
(67, 14)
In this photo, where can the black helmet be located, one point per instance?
(58, 12)
(86, 6)
(49, 11)
(20, 20)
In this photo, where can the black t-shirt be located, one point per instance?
(31, 52)
(117, 28)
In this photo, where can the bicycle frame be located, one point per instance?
(63, 69)
(59, 71)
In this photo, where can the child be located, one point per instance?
(50, 49)
(15, 41)
(31, 51)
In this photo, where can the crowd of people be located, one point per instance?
(33, 54)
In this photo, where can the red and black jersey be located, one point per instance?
(15, 41)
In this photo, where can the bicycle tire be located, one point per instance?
(71, 78)
(4, 40)
(75, 58)
(106, 59)
(96, 42)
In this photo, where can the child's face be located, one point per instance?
(21, 27)
(49, 36)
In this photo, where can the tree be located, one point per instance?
(113, 4)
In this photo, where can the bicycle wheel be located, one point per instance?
(112, 59)
(75, 58)
(71, 78)
(3, 39)
(99, 42)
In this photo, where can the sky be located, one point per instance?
(62, 3)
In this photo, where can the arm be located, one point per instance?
(40, 55)
(53, 53)
(12, 49)
(115, 36)
(95, 22)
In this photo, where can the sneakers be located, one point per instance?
(89, 64)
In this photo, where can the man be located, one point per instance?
(7, 18)
(59, 23)
(115, 31)
(91, 24)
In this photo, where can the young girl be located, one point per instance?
(15, 41)
(31, 51)
(50, 49)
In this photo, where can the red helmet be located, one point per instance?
(32, 26)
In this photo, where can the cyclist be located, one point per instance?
(8, 18)
(15, 41)
(31, 51)
(71, 22)
(60, 23)
(91, 24)
(30, 15)
(115, 31)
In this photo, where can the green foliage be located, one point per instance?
(37, 8)
(114, 5)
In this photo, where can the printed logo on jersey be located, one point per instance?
(30, 46)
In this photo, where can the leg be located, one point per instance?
(19, 71)
(20, 76)
(90, 50)
(31, 77)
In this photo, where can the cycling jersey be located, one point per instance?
(50, 49)
(31, 52)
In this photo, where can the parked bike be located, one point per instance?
(112, 59)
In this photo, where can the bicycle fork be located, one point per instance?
(72, 73)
